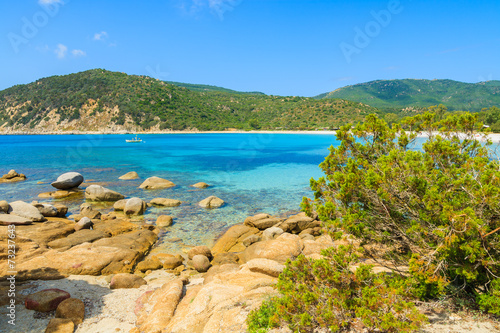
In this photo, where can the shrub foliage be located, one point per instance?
(330, 293)
(437, 206)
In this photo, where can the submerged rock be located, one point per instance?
(165, 202)
(164, 221)
(211, 202)
(99, 193)
(68, 180)
(129, 176)
(156, 183)
(60, 194)
(200, 185)
(12, 176)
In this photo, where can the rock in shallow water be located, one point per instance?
(211, 202)
(165, 202)
(99, 193)
(200, 185)
(156, 183)
(135, 206)
(68, 180)
(164, 221)
(129, 176)
(46, 300)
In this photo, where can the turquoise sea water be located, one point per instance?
(252, 173)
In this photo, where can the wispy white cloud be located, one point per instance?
(61, 51)
(49, 2)
(78, 53)
(216, 7)
(100, 35)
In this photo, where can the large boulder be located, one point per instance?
(165, 202)
(126, 281)
(286, 246)
(135, 206)
(232, 237)
(99, 193)
(68, 180)
(26, 210)
(211, 202)
(156, 183)
(73, 309)
(129, 176)
(46, 300)
(221, 305)
(261, 221)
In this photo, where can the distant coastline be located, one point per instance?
(166, 132)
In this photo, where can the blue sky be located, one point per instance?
(297, 48)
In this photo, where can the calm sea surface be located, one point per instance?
(252, 173)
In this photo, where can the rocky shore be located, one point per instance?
(96, 272)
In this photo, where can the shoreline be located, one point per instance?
(494, 137)
(170, 132)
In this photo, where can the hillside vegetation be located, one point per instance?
(100, 100)
(399, 94)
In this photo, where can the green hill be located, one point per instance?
(100, 100)
(206, 88)
(398, 94)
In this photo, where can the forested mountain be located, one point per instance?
(398, 94)
(100, 100)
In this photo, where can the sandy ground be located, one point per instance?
(113, 310)
(106, 310)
